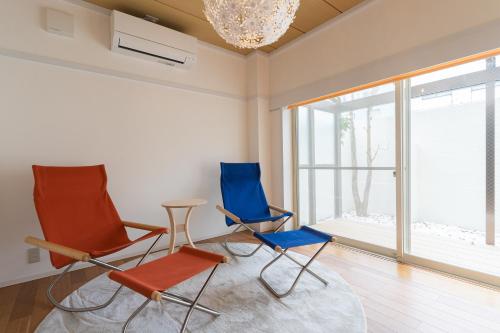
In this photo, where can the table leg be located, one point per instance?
(173, 231)
(186, 226)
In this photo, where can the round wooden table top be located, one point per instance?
(184, 203)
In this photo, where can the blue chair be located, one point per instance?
(245, 202)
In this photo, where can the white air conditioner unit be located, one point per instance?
(139, 38)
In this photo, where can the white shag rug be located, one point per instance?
(235, 290)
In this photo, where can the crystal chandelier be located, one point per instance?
(250, 23)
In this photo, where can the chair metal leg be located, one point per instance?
(306, 268)
(246, 255)
(178, 299)
(70, 309)
(149, 250)
(135, 313)
(195, 302)
(303, 269)
(58, 305)
(282, 224)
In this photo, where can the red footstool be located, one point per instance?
(153, 278)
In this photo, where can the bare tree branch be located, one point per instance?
(354, 163)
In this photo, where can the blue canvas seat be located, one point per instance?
(294, 238)
(245, 201)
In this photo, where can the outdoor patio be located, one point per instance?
(444, 247)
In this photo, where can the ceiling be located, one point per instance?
(187, 16)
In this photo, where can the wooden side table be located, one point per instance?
(189, 204)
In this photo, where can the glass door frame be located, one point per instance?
(403, 176)
(403, 191)
(386, 251)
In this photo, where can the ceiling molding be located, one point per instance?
(91, 6)
(256, 53)
(325, 26)
(216, 48)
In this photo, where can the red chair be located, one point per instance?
(79, 221)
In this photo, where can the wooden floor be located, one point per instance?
(396, 297)
(477, 257)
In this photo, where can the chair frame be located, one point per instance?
(241, 224)
(304, 268)
(85, 257)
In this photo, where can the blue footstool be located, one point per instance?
(281, 242)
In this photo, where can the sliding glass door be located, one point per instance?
(452, 140)
(409, 169)
(346, 166)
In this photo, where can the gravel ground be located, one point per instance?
(470, 236)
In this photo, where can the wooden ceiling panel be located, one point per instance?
(343, 5)
(192, 7)
(171, 18)
(267, 49)
(187, 16)
(312, 13)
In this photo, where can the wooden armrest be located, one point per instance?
(279, 209)
(57, 248)
(228, 214)
(142, 226)
(156, 296)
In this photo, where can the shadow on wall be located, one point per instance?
(17, 211)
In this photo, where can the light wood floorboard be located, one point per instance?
(396, 297)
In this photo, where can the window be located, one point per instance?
(448, 128)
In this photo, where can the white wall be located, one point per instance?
(67, 102)
(449, 163)
(378, 39)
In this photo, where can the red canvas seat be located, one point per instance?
(75, 210)
(163, 273)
